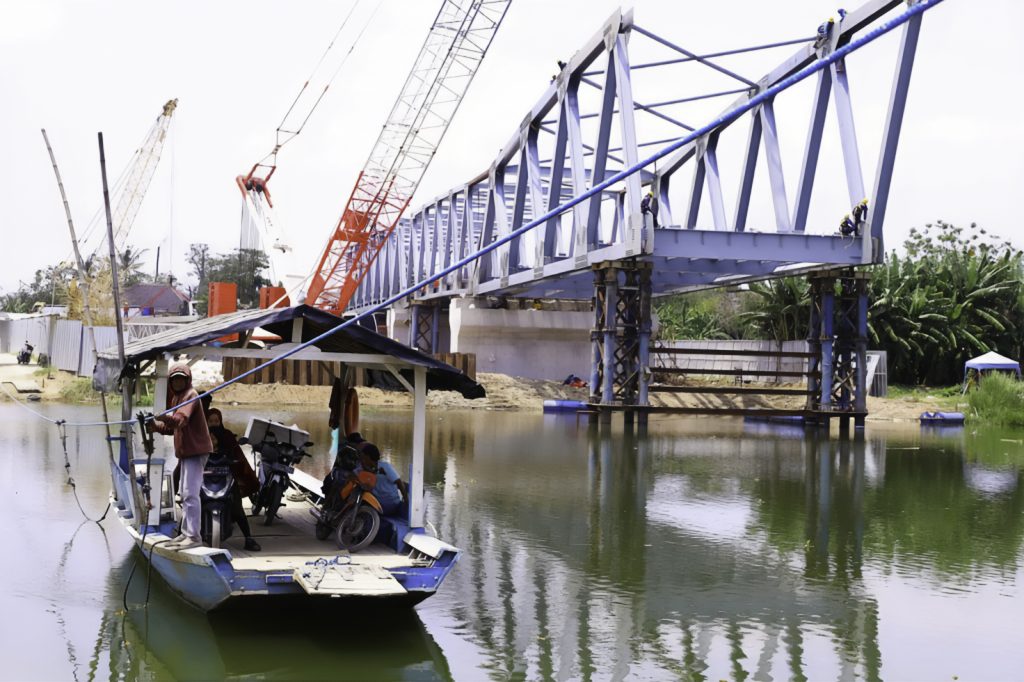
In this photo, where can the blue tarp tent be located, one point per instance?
(991, 361)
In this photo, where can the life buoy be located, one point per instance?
(350, 421)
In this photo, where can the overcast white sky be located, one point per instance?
(89, 65)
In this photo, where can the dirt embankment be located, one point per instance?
(503, 393)
(516, 393)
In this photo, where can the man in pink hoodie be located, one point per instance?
(192, 447)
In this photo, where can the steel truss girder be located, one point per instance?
(520, 185)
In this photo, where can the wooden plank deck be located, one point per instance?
(290, 542)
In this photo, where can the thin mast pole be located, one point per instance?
(86, 308)
(126, 384)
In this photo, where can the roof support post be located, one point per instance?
(419, 438)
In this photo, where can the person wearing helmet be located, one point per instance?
(192, 447)
(649, 204)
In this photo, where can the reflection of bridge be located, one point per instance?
(594, 120)
(582, 576)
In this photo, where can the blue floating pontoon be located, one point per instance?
(564, 405)
(797, 419)
(942, 418)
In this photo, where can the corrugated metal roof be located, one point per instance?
(352, 339)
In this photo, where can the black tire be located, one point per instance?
(357, 528)
(274, 495)
(215, 529)
(323, 530)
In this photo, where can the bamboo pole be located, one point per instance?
(86, 308)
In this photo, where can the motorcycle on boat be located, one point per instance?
(277, 461)
(215, 497)
(349, 509)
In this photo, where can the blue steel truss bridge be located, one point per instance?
(725, 209)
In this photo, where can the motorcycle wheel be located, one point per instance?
(274, 495)
(358, 528)
(323, 530)
(215, 529)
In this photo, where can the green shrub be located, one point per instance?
(998, 399)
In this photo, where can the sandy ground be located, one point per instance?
(503, 393)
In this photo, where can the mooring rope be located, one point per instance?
(62, 431)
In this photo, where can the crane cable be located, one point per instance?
(289, 135)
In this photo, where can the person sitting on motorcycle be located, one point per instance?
(25, 354)
(390, 490)
(192, 447)
(246, 483)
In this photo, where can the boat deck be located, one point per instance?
(291, 541)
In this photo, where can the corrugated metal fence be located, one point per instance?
(67, 342)
(877, 376)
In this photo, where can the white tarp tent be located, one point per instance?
(990, 361)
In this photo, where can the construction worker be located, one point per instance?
(649, 205)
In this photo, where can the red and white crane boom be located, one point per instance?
(455, 46)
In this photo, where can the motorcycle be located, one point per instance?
(349, 509)
(25, 354)
(277, 461)
(215, 498)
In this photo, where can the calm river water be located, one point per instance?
(707, 549)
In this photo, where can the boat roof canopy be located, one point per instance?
(354, 345)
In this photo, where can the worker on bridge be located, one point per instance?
(649, 205)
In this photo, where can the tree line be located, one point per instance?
(60, 284)
(955, 293)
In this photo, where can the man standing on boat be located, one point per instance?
(192, 447)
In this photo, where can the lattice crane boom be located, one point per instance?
(455, 46)
(140, 174)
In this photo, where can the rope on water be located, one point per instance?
(62, 431)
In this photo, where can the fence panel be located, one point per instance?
(67, 345)
(105, 338)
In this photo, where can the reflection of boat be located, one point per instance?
(174, 640)
(403, 570)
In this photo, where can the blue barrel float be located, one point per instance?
(564, 405)
(942, 418)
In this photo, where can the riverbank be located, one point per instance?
(503, 393)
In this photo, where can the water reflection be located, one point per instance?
(700, 549)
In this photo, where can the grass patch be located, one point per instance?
(79, 390)
(946, 396)
(998, 399)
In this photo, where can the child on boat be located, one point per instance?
(246, 482)
(192, 447)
